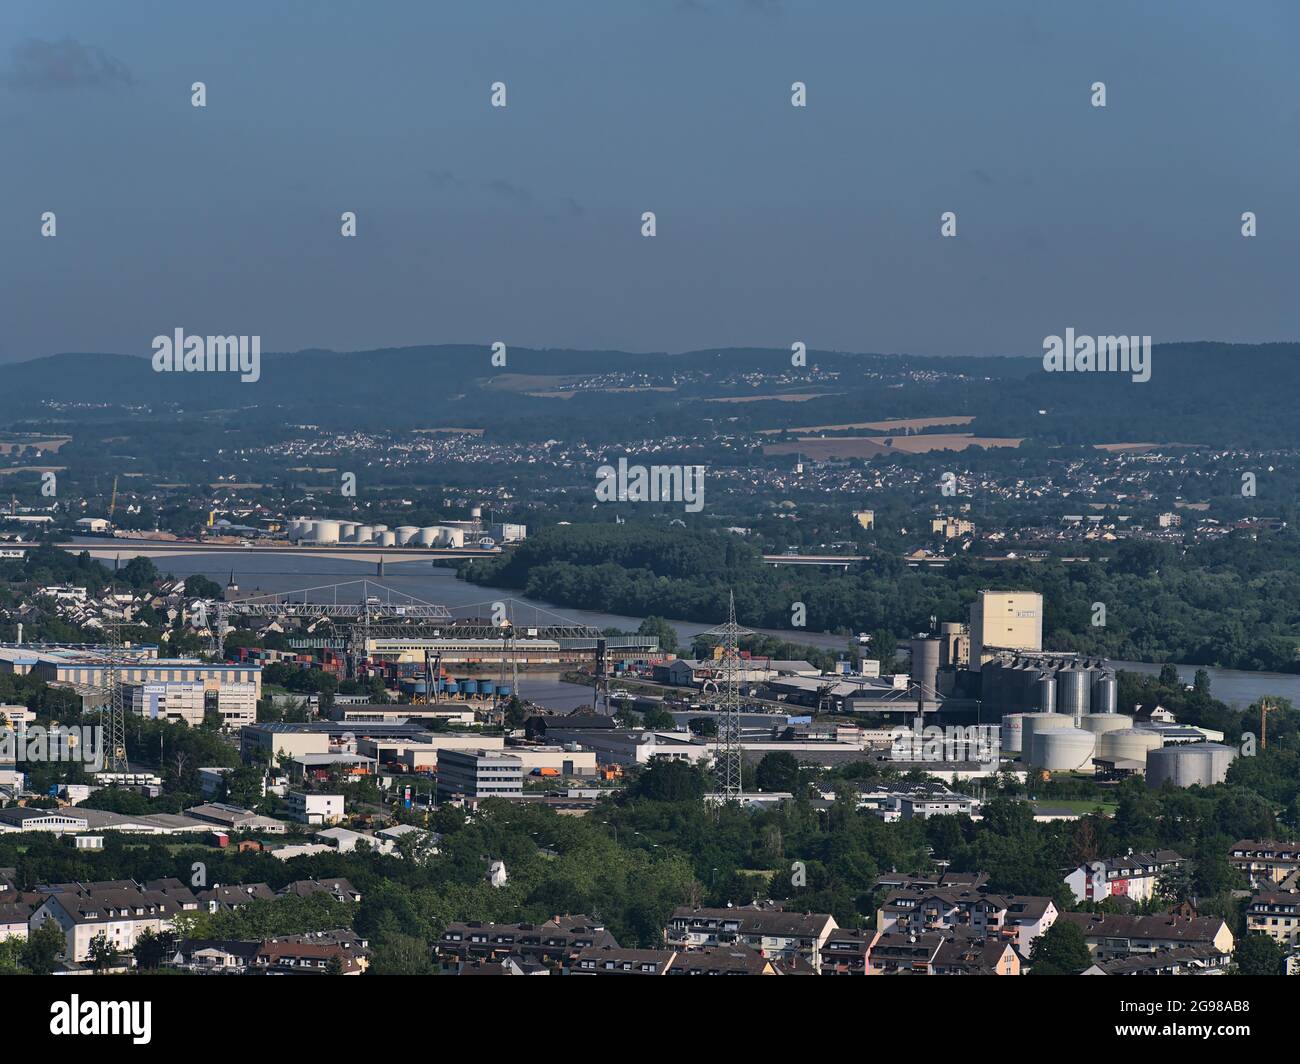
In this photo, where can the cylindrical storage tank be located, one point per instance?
(447, 686)
(503, 690)
(1097, 723)
(476, 512)
(1185, 766)
(925, 665)
(1128, 744)
(485, 687)
(1032, 723)
(365, 533)
(379, 528)
(1073, 694)
(420, 688)
(465, 687)
(406, 533)
(1062, 749)
(325, 531)
(1046, 694)
(453, 537)
(386, 539)
(1105, 695)
(297, 529)
(427, 537)
(1012, 733)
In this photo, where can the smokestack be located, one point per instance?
(20, 633)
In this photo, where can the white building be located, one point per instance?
(1133, 875)
(309, 808)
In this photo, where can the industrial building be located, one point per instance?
(1048, 683)
(479, 774)
(191, 700)
(86, 666)
(1004, 620)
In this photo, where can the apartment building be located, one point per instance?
(1133, 875)
(119, 913)
(1113, 935)
(556, 943)
(479, 774)
(773, 932)
(1276, 914)
(1265, 860)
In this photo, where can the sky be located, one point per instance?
(523, 224)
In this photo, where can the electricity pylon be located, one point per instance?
(728, 756)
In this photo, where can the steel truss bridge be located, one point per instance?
(364, 610)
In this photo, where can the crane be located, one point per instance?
(1264, 710)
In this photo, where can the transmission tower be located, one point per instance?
(728, 756)
(113, 710)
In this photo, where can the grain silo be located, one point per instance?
(1105, 694)
(925, 665)
(1073, 694)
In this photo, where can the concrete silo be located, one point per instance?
(925, 665)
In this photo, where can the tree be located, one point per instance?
(668, 641)
(705, 727)
(402, 955)
(152, 948)
(201, 587)
(1259, 955)
(102, 952)
(671, 781)
(658, 720)
(44, 947)
(778, 771)
(1061, 950)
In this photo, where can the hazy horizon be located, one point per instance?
(522, 224)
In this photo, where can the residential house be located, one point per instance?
(771, 931)
(1114, 935)
(1132, 875)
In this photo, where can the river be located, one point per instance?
(278, 573)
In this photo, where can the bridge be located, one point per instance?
(840, 561)
(170, 548)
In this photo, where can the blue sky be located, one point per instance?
(774, 223)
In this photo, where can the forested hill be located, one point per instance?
(1216, 394)
(1233, 603)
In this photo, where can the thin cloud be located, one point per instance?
(44, 65)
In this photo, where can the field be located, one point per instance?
(870, 446)
(888, 425)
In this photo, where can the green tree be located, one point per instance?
(778, 771)
(44, 947)
(1259, 955)
(1061, 950)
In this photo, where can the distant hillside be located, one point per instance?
(1221, 394)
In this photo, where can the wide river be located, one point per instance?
(436, 584)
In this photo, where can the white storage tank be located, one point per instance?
(325, 532)
(406, 533)
(1031, 723)
(387, 539)
(1185, 766)
(365, 534)
(1105, 722)
(1062, 749)
(1128, 744)
(427, 536)
(1012, 733)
